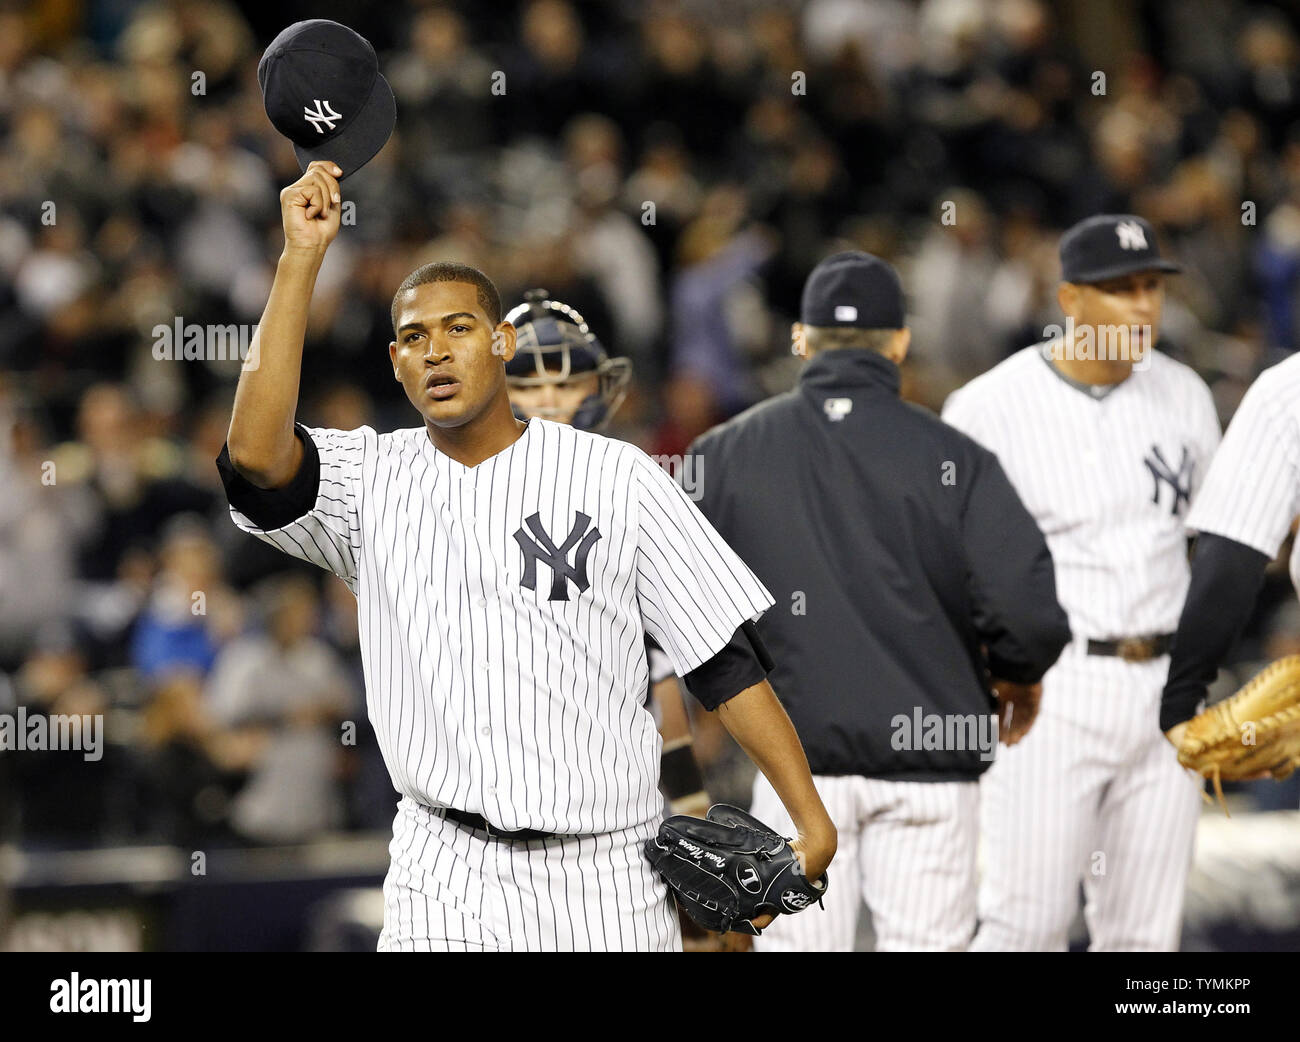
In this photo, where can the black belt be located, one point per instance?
(477, 821)
(1134, 649)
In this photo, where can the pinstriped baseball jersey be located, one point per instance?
(1252, 492)
(503, 610)
(1107, 475)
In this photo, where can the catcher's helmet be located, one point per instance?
(553, 344)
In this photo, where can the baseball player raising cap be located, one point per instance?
(507, 574)
(1107, 441)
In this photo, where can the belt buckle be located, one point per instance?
(504, 835)
(1137, 649)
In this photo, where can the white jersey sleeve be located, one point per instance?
(1252, 491)
(694, 590)
(329, 534)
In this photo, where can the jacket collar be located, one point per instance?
(850, 367)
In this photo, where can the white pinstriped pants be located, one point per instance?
(1093, 794)
(451, 889)
(905, 848)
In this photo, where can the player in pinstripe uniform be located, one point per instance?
(1106, 441)
(506, 573)
(1249, 500)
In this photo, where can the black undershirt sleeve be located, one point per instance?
(740, 664)
(1226, 579)
(271, 508)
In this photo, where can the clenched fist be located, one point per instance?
(311, 207)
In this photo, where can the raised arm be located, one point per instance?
(263, 448)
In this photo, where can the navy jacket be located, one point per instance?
(903, 564)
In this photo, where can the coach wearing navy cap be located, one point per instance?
(907, 574)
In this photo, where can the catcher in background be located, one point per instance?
(560, 370)
(1244, 511)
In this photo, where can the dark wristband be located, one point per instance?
(679, 773)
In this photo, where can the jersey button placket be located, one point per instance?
(467, 500)
(480, 539)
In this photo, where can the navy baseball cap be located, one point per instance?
(322, 90)
(1108, 246)
(853, 289)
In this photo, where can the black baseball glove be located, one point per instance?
(729, 868)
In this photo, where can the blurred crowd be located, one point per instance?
(673, 170)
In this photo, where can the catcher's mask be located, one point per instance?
(552, 345)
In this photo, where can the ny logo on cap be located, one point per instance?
(327, 115)
(1131, 235)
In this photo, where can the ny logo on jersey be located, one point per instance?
(540, 548)
(325, 115)
(1131, 235)
(1180, 480)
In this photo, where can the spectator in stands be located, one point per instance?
(191, 611)
(292, 686)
